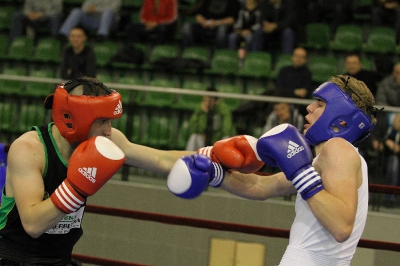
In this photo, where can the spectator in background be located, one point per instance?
(386, 13)
(210, 122)
(388, 92)
(78, 58)
(334, 12)
(214, 21)
(283, 112)
(248, 21)
(94, 15)
(295, 81)
(355, 69)
(37, 15)
(157, 17)
(279, 22)
(392, 153)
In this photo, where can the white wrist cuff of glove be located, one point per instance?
(205, 151)
(308, 183)
(219, 175)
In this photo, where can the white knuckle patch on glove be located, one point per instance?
(179, 178)
(108, 149)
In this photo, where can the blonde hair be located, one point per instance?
(359, 93)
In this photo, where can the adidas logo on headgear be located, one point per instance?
(118, 109)
(89, 173)
(293, 149)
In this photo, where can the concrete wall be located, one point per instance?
(161, 244)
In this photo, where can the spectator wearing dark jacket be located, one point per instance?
(249, 20)
(355, 69)
(78, 58)
(279, 22)
(214, 21)
(295, 80)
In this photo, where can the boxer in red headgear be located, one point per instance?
(74, 114)
(53, 168)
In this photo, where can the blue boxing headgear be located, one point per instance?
(341, 117)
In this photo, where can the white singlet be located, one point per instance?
(310, 244)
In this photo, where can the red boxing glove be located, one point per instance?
(66, 198)
(91, 165)
(236, 153)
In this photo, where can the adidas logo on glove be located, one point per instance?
(89, 173)
(293, 149)
(118, 109)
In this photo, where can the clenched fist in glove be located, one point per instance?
(91, 165)
(285, 147)
(236, 153)
(191, 175)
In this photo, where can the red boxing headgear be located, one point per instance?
(74, 114)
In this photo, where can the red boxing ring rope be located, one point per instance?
(385, 189)
(100, 261)
(222, 226)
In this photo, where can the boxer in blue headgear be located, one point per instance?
(349, 111)
(330, 178)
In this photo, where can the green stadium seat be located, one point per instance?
(196, 52)
(253, 90)
(318, 36)
(323, 67)
(8, 111)
(163, 50)
(105, 77)
(132, 65)
(121, 123)
(127, 94)
(3, 45)
(104, 51)
(224, 62)
(21, 49)
(158, 53)
(256, 65)
(381, 40)
(183, 135)
(30, 114)
(159, 99)
(48, 50)
(187, 101)
(368, 64)
(136, 130)
(40, 89)
(159, 131)
(12, 87)
(348, 38)
(7, 114)
(233, 103)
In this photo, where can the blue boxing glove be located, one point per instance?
(191, 175)
(283, 146)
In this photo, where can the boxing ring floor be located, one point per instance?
(165, 244)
